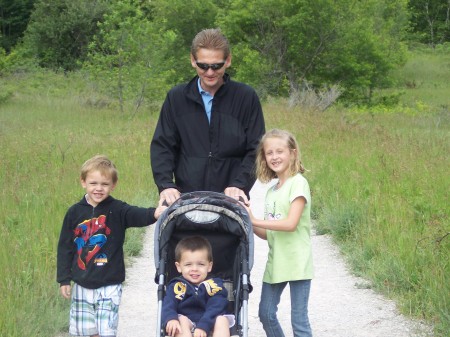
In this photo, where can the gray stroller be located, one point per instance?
(226, 224)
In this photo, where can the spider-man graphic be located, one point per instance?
(91, 235)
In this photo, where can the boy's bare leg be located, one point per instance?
(186, 327)
(221, 327)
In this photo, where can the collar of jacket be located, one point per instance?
(189, 284)
(84, 202)
(191, 89)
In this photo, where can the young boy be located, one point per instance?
(90, 250)
(194, 305)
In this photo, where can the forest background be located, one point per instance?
(362, 84)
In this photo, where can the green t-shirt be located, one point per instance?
(290, 253)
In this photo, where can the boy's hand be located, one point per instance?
(173, 327)
(65, 291)
(159, 210)
(199, 333)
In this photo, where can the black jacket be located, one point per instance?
(90, 248)
(202, 156)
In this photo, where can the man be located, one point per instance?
(208, 129)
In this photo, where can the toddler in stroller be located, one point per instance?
(224, 222)
(193, 303)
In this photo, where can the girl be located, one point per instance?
(286, 227)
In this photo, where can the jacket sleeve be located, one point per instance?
(164, 147)
(217, 301)
(134, 216)
(169, 305)
(255, 130)
(65, 252)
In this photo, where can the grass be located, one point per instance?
(425, 77)
(379, 181)
(423, 81)
(45, 142)
(380, 186)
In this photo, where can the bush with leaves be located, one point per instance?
(123, 57)
(352, 43)
(59, 31)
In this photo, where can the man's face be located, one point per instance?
(210, 79)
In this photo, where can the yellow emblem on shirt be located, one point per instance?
(179, 289)
(211, 287)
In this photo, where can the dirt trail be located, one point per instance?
(339, 306)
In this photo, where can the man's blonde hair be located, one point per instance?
(100, 163)
(210, 39)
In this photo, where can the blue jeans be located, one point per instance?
(268, 307)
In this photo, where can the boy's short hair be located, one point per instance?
(100, 163)
(193, 243)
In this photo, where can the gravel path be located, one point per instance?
(339, 306)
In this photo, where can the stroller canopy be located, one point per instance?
(204, 212)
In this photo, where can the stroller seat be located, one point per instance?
(226, 224)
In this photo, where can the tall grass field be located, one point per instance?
(379, 179)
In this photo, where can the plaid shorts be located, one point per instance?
(95, 311)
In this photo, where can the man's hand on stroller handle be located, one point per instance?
(237, 193)
(169, 195)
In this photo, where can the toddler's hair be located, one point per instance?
(100, 163)
(193, 243)
(263, 172)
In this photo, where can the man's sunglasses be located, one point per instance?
(213, 66)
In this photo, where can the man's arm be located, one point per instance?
(255, 130)
(164, 149)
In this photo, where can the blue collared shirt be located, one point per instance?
(207, 100)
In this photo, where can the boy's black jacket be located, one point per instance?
(90, 248)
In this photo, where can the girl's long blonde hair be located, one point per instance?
(263, 172)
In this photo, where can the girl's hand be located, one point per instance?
(65, 291)
(249, 211)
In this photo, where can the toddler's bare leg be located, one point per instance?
(186, 327)
(221, 327)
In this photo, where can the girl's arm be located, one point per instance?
(260, 232)
(285, 225)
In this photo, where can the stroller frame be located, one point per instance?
(226, 224)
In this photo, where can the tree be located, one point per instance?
(60, 31)
(14, 17)
(183, 20)
(430, 20)
(281, 44)
(124, 57)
